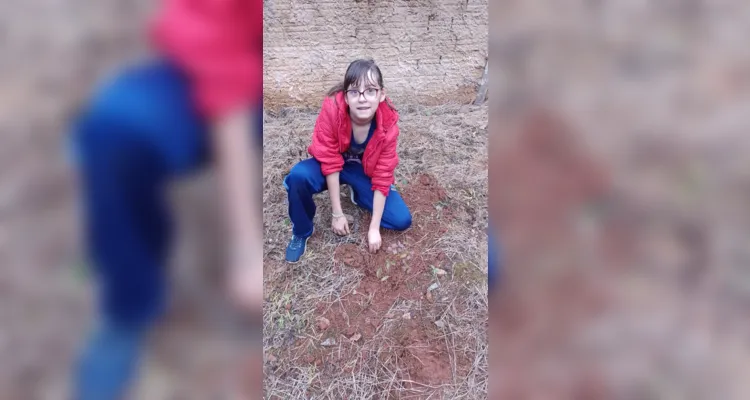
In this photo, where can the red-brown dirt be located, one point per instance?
(402, 271)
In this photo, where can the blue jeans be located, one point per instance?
(305, 179)
(494, 268)
(139, 131)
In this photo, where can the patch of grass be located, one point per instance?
(468, 272)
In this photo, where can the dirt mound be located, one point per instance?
(391, 303)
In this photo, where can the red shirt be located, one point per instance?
(219, 44)
(333, 134)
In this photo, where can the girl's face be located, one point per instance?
(363, 98)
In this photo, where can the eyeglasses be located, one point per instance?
(370, 94)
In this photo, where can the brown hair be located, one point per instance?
(358, 71)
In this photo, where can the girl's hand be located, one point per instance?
(245, 277)
(373, 238)
(340, 225)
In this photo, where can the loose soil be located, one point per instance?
(400, 273)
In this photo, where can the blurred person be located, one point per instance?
(198, 101)
(354, 143)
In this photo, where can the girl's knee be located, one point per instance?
(402, 221)
(103, 128)
(300, 174)
(128, 109)
(107, 136)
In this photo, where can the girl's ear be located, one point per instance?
(382, 95)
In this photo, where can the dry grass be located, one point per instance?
(448, 142)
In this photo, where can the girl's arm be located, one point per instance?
(325, 149)
(378, 205)
(382, 180)
(334, 191)
(382, 177)
(339, 224)
(218, 44)
(239, 170)
(325, 143)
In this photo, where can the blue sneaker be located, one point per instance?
(296, 248)
(109, 362)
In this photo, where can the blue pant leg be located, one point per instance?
(138, 132)
(304, 180)
(396, 214)
(494, 267)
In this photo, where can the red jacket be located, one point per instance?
(333, 134)
(219, 43)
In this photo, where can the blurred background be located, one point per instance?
(54, 54)
(619, 185)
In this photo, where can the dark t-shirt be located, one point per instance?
(356, 150)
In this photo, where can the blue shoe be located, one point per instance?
(296, 248)
(108, 363)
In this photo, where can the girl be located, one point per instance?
(354, 142)
(150, 125)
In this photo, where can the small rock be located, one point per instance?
(323, 323)
(355, 337)
(440, 324)
(270, 358)
(439, 272)
(329, 342)
(428, 295)
(407, 316)
(433, 287)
